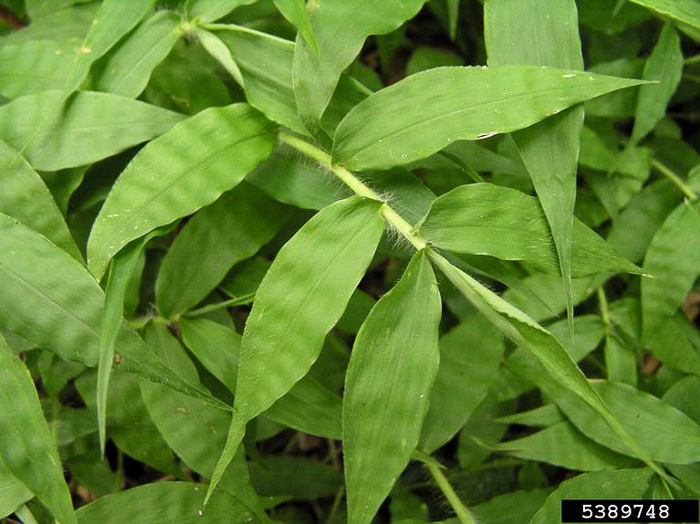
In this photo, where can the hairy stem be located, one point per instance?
(461, 511)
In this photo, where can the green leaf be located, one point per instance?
(563, 445)
(66, 26)
(120, 272)
(619, 484)
(516, 507)
(543, 350)
(32, 67)
(26, 447)
(307, 407)
(684, 12)
(24, 196)
(299, 477)
(485, 219)
(166, 502)
(218, 50)
(664, 432)
(672, 261)
(305, 292)
(205, 11)
(392, 368)
(92, 126)
(545, 33)
(12, 492)
(665, 64)
(295, 11)
(127, 69)
(470, 360)
(425, 112)
(546, 416)
(175, 175)
(219, 236)
(51, 300)
(195, 431)
(453, 16)
(316, 73)
(112, 22)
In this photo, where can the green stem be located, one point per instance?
(692, 60)
(235, 301)
(357, 186)
(461, 511)
(678, 181)
(336, 505)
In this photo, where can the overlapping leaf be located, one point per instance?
(544, 33)
(26, 447)
(425, 112)
(219, 236)
(400, 334)
(173, 176)
(92, 126)
(300, 299)
(51, 300)
(486, 219)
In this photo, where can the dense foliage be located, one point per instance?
(347, 260)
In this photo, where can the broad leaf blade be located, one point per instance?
(423, 113)
(296, 12)
(173, 176)
(316, 73)
(672, 259)
(300, 299)
(31, 67)
(26, 447)
(544, 33)
(166, 502)
(683, 12)
(665, 65)
(128, 68)
(205, 11)
(387, 387)
(485, 219)
(228, 231)
(92, 126)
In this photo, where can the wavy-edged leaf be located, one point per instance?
(228, 231)
(542, 350)
(544, 33)
(486, 219)
(33, 66)
(316, 73)
(51, 300)
(391, 371)
(665, 65)
(127, 69)
(672, 259)
(307, 407)
(563, 445)
(205, 11)
(180, 172)
(26, 447)
(618, 484)
(470, 359)
(300, 299)
(166, 502)
(24, 196)
(92, 126)
(425, 112)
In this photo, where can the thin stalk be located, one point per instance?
(336, 505)
(462, 512)
(357, 186)
(603, 304)
(236, 301)
(692, 60)
(678, 181)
